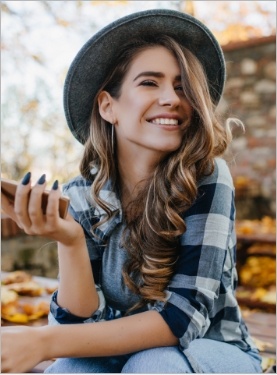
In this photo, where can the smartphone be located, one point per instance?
(8, 187)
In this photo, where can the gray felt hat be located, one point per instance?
(92, 63)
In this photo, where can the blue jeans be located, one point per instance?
(203, 355)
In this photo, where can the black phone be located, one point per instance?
(8, 187)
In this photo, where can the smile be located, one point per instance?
(164, 121)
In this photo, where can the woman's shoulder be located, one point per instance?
(220, 175)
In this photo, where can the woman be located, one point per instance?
(147, 253)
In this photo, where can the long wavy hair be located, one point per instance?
(154, 220)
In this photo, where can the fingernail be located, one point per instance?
(26, 178)
(42, 179)
(55, 185)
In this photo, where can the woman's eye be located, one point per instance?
(179, 88)
(148, 83)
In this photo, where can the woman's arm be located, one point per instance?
(77, 290)
(116, 337)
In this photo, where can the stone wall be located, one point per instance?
(250, 95)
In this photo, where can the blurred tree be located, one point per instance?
(34, 132)
(233, 21)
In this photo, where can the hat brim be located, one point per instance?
(92, 63)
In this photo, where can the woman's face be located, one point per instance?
(152, 112)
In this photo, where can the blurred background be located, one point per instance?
(39, 41)
(41, 38)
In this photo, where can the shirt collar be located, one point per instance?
(112, 199)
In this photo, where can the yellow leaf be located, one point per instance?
(16, 318)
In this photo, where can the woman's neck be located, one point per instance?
(134, 170)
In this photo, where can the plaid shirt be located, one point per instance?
(201, 299)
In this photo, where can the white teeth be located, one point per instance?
(165, 121)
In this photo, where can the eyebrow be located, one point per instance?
(154, 74)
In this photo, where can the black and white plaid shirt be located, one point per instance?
(201, 300)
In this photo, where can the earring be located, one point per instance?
(112, 139)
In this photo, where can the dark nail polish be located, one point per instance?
(55, 185)
(42, 179)
(26, 178)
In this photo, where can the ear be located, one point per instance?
(105, 104)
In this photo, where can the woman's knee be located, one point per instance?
(158, 360)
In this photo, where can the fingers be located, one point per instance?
(52, 209)
(35, 207)
(21, 201)
(28, 206)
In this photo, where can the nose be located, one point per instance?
(169, 97)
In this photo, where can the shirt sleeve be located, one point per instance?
(195, 286)
(60, 315)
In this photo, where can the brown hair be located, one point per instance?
(154, 220)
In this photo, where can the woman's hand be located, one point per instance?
(77, 290)
(22, 348)
(27, 213)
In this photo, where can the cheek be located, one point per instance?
(133, 106)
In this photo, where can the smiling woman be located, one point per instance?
(152, 96)
(147, 251)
